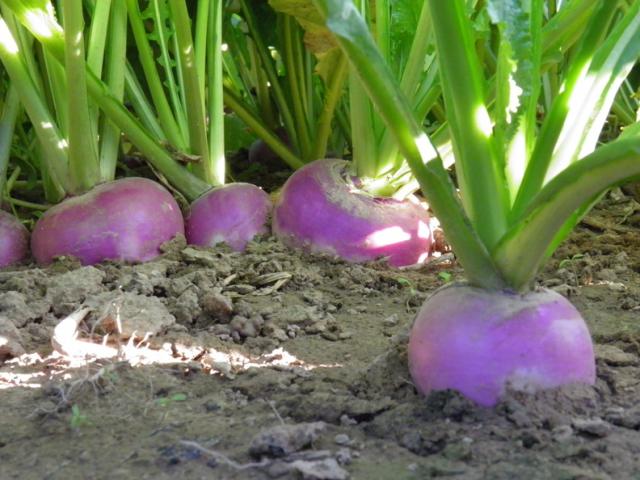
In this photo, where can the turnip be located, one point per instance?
(481, 342)
(14, 240)
(125, 220)
(524, 181)
(233, 213)
(321, 209)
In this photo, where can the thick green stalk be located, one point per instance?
(383, 28)
(115, 79)
(170, 63)
(364, 144)
(481, 182)
(193, 102)
(97, 40)
(84, 169)
(216, 96)
(97, 45)
(352, 34)
(295, 76)
(363, 141)
(333, 93)
(8, 119)
(524, 247)
(202, 34)
(43, 123)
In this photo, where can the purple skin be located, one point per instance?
(14, 240)
(126, 220)
(482, 342)
(320, 211)
(233, 213)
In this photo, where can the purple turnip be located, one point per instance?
(14, 239)
(321, 209)
(125, 220)
(482, 342)
(233, 213)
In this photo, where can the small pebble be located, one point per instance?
(562, 433)
(391, 320)
(346, 420)
(343, 456)
(592, 426)
(332, 337)
(342, 439)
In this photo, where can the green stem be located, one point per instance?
(96, 45)
(333, 93)
(267, 63)
(295, 77)
(8, 119)
(216, 98)
(482, 184)
(383, 28)
(115, 79)
(363, 142)
(147, 60)
(525, 246)
(254, 123)
(141, 106)
(170, 63)
(43, 123)
(25, 204)
(84, 169)
(263, 92)
(194, 103)
(201, 42)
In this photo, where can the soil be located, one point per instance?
(274, 364)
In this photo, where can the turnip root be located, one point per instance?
(321, 209)
(127, 220)
(14, 239)
(482, 342)
(233, 213)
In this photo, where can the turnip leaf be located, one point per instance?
(517, 86)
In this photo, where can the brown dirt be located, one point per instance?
(254, 350)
